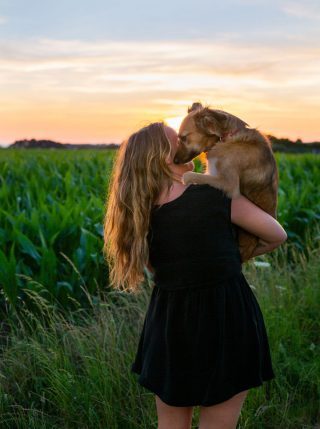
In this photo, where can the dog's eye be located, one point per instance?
(183, 138)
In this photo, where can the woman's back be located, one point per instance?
(192, 240)
(203, 339)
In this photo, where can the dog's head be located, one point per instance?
(199, 131)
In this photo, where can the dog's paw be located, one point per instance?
(187, 178)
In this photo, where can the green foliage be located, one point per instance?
(298, 195)
(52, 208)
(51, 203)
(288, 146)
(8, 278)
(67, 347)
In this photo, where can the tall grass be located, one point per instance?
(72, 369)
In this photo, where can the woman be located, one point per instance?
(203, 340)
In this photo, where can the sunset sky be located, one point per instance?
(96, 71)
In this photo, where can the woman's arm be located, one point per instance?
(259, 223)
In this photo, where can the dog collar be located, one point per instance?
(229, 135)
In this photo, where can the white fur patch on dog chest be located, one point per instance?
(212, 167)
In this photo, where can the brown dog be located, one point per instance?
(239, 161)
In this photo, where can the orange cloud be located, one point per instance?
(75, 91)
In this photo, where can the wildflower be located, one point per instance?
(261, 264)
(91, 328)
(281, 287)
(312, 347)
(67, 326)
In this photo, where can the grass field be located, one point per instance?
(72, 370)
(67, 342)
(52, 208)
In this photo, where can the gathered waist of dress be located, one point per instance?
(197, 285)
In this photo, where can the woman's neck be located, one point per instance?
(176, 190)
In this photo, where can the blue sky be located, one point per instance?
(94, 71)
(241, 21)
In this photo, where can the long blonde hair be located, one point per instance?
(137, 179)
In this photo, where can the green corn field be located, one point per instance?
(52, 205)
(68, 340)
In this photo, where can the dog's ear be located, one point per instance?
(210, 122)
(195, 106)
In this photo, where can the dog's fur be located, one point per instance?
(242, 164)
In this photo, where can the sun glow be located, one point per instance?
(97, 92)
(175, 122)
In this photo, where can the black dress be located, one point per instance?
(204, 339)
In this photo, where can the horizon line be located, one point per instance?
(5, 145)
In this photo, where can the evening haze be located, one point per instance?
(94, 72)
